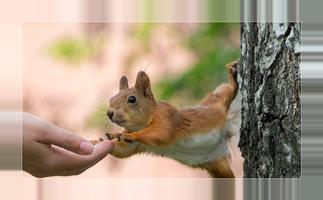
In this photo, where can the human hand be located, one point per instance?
(51, 151)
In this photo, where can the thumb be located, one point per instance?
(101, 150)
(79, 163)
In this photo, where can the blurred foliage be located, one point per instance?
(142, 32)
(74, 50)
(202, 78)
(98, 119)
(210, 45)
(209, 42)
(209, 37)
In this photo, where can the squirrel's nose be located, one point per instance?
(110, 114)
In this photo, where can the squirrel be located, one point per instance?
(193, 136)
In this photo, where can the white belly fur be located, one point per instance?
(196, 149)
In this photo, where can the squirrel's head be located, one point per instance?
(133, 108)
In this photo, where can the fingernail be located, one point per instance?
(86, 147)
(109, 145)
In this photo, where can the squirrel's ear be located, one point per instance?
(143, 84)
(123, 83)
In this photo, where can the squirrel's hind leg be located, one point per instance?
(220, 169)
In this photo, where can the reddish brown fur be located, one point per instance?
(163, 124)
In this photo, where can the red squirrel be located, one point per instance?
(193, 136)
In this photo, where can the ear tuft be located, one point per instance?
(123, 83)
(143, 84)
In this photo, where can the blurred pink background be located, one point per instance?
(22, 42)
(66, 93)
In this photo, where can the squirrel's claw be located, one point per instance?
(119, 136)
(125, 137)
(112, 136)
(232, 67)
(233, 70)
(109, 136)
(94, 142)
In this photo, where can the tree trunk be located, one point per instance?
(269, 79)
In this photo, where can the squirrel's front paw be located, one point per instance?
(111, 136)
(120, 137)
(232, 67)
(126, 137)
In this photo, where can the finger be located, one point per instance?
(100, 151)
(62, 138)
(68, 161)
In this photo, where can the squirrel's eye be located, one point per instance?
(131, 99)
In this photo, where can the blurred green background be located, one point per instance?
(212, 44)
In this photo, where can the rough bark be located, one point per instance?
(269, 78)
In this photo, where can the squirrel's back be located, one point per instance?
(200, 134)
